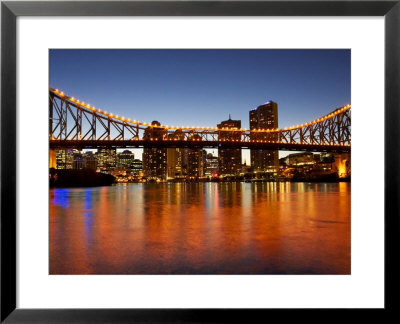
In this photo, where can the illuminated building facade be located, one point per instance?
(155, 158)
(64, 159)
(137, 166)
(73, 159)
(211, 165)
(176, 157)
(264, 117)
(229, 159)
(125, 160)
(195, 159)
(297, 159)
(106, 159)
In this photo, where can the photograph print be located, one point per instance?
(200, 161)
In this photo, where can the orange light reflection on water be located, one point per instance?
(201, 228)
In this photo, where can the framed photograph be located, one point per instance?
(189, 161)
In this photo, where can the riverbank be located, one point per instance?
(225, 180)
(79, 178)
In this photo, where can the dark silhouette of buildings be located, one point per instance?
(90, 160)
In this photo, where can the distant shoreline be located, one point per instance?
(79, 178)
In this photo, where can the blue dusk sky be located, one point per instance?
(202, 87)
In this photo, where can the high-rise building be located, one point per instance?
(61, 156)
(195, 159)
(137, 166)
(229, 159)
(106, 159)
(264, 117)
(64, 159)
(155, 158)
(125, 160)
(211, 165)
(176, 157)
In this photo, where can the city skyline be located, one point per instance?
(204, 87)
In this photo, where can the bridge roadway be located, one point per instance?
(94, 144)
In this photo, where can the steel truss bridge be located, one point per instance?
(76, 124)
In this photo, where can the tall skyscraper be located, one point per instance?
(264, 117)
(155, 158)
(229, 159)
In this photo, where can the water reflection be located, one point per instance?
(201, 228)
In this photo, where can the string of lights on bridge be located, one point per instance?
(77, 102)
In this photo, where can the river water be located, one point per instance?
(201, 228)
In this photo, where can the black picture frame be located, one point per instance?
(10, 10)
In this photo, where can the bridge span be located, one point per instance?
(75, 124)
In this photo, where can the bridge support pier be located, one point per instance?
(52, 159)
